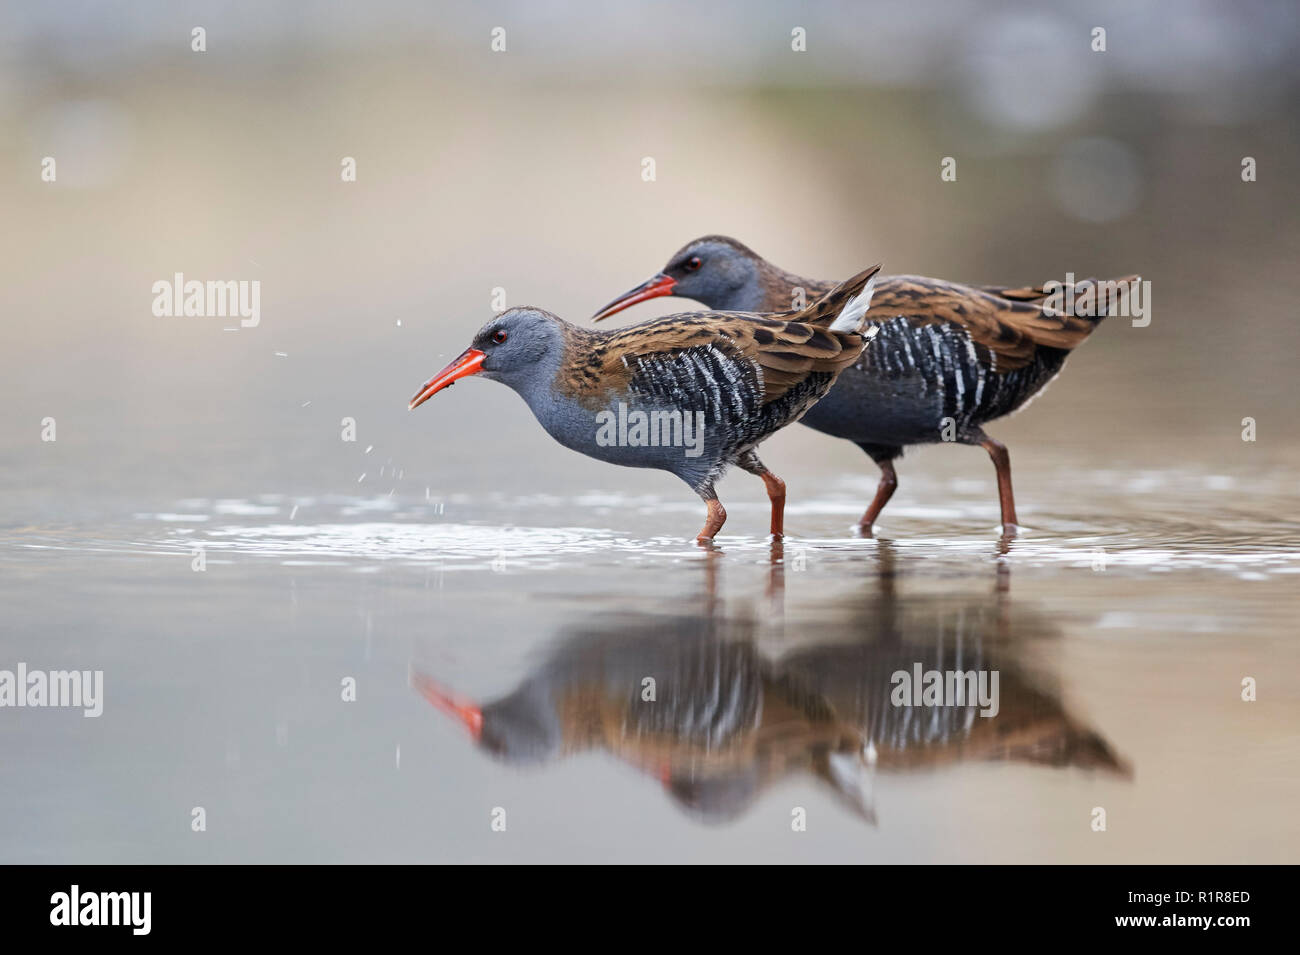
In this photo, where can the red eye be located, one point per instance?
(499, 336)
(693, 263)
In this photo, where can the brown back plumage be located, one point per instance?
(1009, 324)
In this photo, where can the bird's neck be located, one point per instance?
(548, 386)
(780, 289)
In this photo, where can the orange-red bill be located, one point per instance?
(469, 363)
(463, 710)
(652, 288)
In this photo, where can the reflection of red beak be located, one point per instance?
(463, 710)
(469, 363)
(652, 288)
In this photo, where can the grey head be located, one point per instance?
(520, 348)
(523, 727)
(520, 728)
(715, 270)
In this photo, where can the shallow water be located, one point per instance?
(535, 620)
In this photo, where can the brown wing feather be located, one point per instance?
(795, 352)
(785, 352)
(1028, 293)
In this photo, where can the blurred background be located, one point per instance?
(462, 541)
(522, 170)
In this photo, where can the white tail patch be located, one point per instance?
(854, 313)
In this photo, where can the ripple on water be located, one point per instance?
(1202, 524)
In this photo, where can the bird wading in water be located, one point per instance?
(691, 394)
(948, 357)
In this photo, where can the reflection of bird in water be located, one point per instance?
(689, 701)
(692, 702)
(1029, 725)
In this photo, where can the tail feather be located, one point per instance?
(854, 312)
(1036, 294)
(1104, 292)
(843, 308)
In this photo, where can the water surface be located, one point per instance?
(500, 647)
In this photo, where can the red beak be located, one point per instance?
(463, 710)
(469, 363)
(652, 288)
